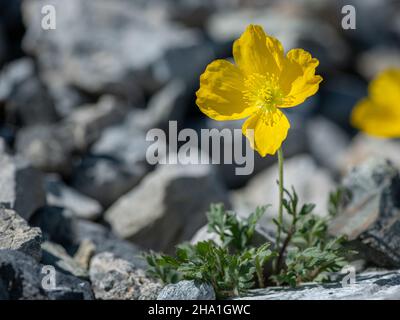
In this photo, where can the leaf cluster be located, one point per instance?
(231, 267)
(233, 264)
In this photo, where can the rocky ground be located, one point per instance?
(76, 192)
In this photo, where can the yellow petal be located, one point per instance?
(220, 95)
(376, 120)
(379, 113)
(266, 131)
(256, 52)
(298, 79)
(385, 90)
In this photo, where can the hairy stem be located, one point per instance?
(280, 209)
(259, 271)
(285, 244)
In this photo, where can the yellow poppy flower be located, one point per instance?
(379, 113)
(260, 82)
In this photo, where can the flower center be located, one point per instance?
(263, 91)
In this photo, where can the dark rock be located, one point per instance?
(11, 29)
(3, 291)
(185, 63)
(24, 96)
(295, 143)
(166, 208)
(187, 290)
(106, 178)
(339, 94)
(21, 186)
(374, 19)
(370, 217)
(105, 241)
(60, 195)
(56, 224)
(24, 278)
(117, 279)
(59, 225)
(15, 234)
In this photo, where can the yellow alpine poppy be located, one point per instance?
(379, 113)
(260, 82)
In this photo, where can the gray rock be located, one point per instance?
(21, 186)
(327, 142)
(168, 104)
(363, 147)
(187, 290)
(118, 160)
(60, 195)
(370, 215)
(106, 54)
(66, 98)
(127, 141)
(166, 208)
(23, 276)
(261, 235)
(373, 61)
(15, 234)
(48, 148)
(24, 96)
(117, 279)
(3, 146)
(311, 183)
(203, 235)
(85, 253)
(369, 286)
(87, 122)
(55, 255)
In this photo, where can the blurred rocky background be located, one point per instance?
(76, 191)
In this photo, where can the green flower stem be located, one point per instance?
(259, 272)
(280, 212)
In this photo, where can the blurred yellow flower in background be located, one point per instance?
(379, 113)
(260, 82)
